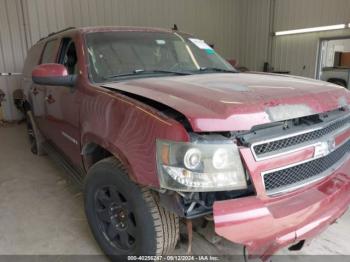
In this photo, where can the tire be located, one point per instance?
(34, 136)
(125, 218)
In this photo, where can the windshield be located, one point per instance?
(114, 55)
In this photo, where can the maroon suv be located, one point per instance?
(157, 127)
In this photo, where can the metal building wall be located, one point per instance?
(292, 14)
(211, 20)
(294, 53)
(216, 21)
(43, 17)
(298, 53)
(12, 52)
(253, 33)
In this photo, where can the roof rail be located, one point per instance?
(54, 33)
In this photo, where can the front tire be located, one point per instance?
(125, 218)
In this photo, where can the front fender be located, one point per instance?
(129, 130)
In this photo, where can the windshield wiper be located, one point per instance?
(216, 69)
(142, 71)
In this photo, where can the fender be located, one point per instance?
(91, 141)
(128, 129)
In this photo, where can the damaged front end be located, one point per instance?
(196, 174)
(276, 185)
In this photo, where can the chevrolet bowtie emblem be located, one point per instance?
(331, 145)
(324, 148)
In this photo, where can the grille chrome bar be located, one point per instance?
(299, 140)
(297, 175)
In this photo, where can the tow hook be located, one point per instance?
(297, 246)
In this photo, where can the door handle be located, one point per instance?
(50, 99)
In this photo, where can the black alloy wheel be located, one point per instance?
(116, 220)
(125, 218)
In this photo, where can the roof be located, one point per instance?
(122, 28)
(94, 29)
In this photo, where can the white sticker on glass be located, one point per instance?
(200, 43)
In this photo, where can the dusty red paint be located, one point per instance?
(280, 222)
(129, 130)
(49, 70)
(341, 138)
(227, 102)
(214, 102)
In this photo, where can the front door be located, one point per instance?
(38, 92)
(62, 105)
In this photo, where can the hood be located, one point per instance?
(231, 102)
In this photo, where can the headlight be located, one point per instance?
(200, 166)
(192, 158)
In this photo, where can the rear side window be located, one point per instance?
(49, 54)
(33, 59)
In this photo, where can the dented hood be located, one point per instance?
(229, 102)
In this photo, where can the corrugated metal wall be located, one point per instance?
(298, 53)
(12, 51)
(294, 53)
(215, 21)
(201, 17)
(43, 17)
(253, 33)
(292, 14)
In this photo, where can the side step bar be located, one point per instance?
(76, 175)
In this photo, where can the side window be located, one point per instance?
(68, 56)
(48, 55)
(33, 59)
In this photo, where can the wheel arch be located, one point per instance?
(94, 151)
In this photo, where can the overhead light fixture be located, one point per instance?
(312, 29)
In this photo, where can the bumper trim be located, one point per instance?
(266, 225)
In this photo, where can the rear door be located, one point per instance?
(62, 105)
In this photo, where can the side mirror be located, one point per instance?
(53, 75)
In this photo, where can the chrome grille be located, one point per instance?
(276, 145)
(276, 181)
